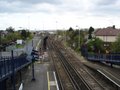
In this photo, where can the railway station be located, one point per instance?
(59, 44)
(50, 65)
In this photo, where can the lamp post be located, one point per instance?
(56, 24)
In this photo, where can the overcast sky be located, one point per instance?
(59, 14)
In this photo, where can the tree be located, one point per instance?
(70, 29)
(96, 45)
(116, 45)
(23, 34)
(113, 26)
(91, 29)
(10, 29)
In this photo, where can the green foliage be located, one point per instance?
(95, 45)
(74, 40)
(19, 46)
(25, 34)
(12, 35)
(116, 45)
(91, 29)
(10, 29)
(70, 29)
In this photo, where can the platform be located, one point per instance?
(45, 77)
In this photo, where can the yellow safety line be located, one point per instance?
(48, 80)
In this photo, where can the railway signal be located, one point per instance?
(35, 55)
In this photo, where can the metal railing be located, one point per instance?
(8, 65)
(110, 58)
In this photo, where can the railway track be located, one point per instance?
(63, 80)
(103, 73)
(79, 75)
(95, 81)
(82, 78)
(77, 81)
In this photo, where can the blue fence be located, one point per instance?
(110, 58)
(8, 65)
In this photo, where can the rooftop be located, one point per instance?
(109, 31)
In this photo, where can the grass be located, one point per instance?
(19, 46)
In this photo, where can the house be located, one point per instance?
(108, 35)
(3, 33)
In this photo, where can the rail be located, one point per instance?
(77, 81)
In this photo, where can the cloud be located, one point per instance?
(105, 8)
(66, 12)
(26, 6)
(106, 2)
(33, 1)
(78, 7)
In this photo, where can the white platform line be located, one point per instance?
(48, 80)
(108, 78)
(21, 86)
(37, 45)
(56, 80)
(111, 75)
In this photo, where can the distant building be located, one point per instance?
(3, 33)
(108, 35)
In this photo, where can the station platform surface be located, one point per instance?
(45, 77)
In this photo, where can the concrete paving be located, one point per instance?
(41, 82)
(44, 75)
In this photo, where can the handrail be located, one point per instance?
(110, 58)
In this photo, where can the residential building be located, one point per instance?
(108, 34)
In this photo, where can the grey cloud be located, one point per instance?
(105, 8)
(33, 1)
(110, 10)
(106, 2)
(23, 6)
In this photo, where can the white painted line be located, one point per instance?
(37, 45)
(108, 78)
(111, 75)
(48, 80)
(52, 83)
(56, 80)
(21, 86)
